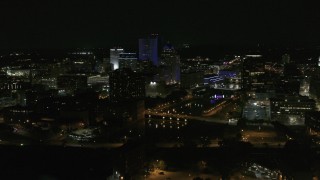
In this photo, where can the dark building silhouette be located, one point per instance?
(170, 60)
(128, 60)
(285, 59)
(191, 79)
(148, 49)
(283, 105)
(127, 93)
(70, 83)
(313, 122)
(126, 85)
(253, 71)
(315, 87)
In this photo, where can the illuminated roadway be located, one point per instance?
(206, 116)
(199, 118)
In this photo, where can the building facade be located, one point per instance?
(128, 60)
(291, 109)
(170, 60)
(148, 50)
(114, 57)
(126, 85)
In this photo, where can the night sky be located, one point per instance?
(61, 24)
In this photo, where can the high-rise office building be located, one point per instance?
(128, 60)
(114, 57)
(126, 85)
(170, 60)
(253, 72)
(148, 49)
(285, 58)
(127, 92)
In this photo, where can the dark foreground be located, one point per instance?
(41, 162)
(54, 163)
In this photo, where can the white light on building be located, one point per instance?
(114, 57)
(153, 83)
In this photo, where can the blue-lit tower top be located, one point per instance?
(148, 49)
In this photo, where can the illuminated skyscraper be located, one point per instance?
(114, 57)
(148, 49)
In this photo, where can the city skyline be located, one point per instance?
(138, 90)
